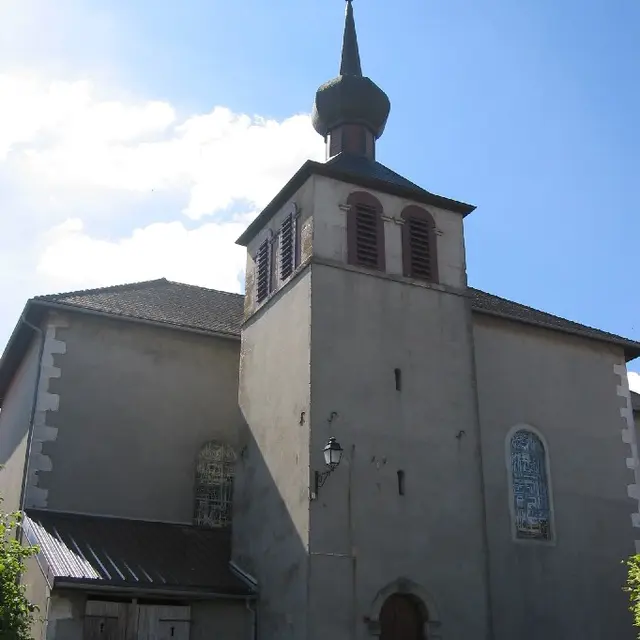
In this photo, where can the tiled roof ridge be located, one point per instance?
(578, 325)
(128, 286)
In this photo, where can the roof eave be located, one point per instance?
(416, 194)
(631, 349)
(310, 167)
(177, 591)
(17, 346)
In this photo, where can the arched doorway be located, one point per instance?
(401, 618)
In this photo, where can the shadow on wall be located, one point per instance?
(267, 543)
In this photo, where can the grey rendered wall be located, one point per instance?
(14, 428)
(136, 403)
(65, 616)
(271, 517)
(224, 619)
(365, 537)
(566, 388)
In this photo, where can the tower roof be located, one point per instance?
(350, 98)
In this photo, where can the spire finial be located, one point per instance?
(350, 65)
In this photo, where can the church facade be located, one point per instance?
(360, 446)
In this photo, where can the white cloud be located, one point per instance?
(64, 135)
(64, 118)
(634, 381)
(205, 256)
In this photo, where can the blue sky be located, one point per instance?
(526, 109)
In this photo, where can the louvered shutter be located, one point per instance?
(366, 236)
(263, 270)
(287, 247)
(419, 246)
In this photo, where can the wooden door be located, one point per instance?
(401, 619)
(157, 622)
(105, 621)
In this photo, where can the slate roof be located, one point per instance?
(482, 302)
(187, 307)
(94, 551)
(358, 165)
(162, 301)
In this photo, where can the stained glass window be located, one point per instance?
(530, 486)
(214, 485)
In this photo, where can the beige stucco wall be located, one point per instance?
(14, 427)
(567, 389)
(271, 517)
(330, 230)
(136, 403)
(37, 592)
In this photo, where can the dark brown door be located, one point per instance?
(401, 619)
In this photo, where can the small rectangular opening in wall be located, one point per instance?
(398, 376)
(401, 482)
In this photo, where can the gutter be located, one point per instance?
(88, 586)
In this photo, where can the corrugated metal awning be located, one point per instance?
(132, 554)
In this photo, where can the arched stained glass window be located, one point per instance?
(214, 485)
(531, 507)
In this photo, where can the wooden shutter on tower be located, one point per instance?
(419, 249)
(365, 232)
(263, 275)
(287, 247)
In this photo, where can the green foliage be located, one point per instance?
(633, 587)
(16, 612)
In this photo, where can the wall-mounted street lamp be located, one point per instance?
(332, 456)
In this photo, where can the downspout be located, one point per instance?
(254, 619)
(34, 402)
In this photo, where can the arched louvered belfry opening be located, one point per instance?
(215, 468)
(419, 244)
(365, 231)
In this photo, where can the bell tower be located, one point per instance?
(357, 327)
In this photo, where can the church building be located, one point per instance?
(360, 446)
